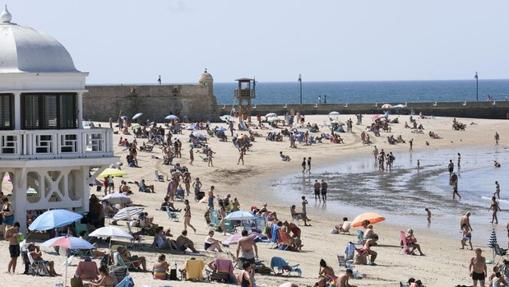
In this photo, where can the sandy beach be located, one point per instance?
(444, 264)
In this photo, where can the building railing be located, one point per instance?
(245, 93)
(56, 144)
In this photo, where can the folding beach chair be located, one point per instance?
(404, 244)
(127, 281)
(173, 216)
(37, 267)
(279, 264)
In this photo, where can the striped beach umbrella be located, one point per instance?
(493, 239)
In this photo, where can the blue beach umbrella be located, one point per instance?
(55, 218)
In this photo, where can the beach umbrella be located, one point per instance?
(138, 115)
(123, 117)
(117, 197)
(68, 242)
(271, 115)
(493, 239)
(127, 213)
(386, 106)
(171, 117)
(112, 172)
(372, 217)
(334, 113)
(239, 215)
(226, 118)
(110, 231)
(55, 218)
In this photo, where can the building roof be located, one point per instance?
(23, 49)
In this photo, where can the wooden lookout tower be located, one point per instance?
(244, 94)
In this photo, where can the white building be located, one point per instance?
(43, 146)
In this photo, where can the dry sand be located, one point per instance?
(443, 265)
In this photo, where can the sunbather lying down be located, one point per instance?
(284, 157)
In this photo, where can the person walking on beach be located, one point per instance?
(459, 161)
(495, 208)
(303, 164)
(497, 190)
(11, 235)
(324, 186)
(375, 154)
(316, 188)
(497, 138)
(309, 164)
(465, 219)
(450, 167)
(241, 156)
(187, 216)
(411, 143)
(454, 183)
(209, 158)
(478, 269)
(428, 215)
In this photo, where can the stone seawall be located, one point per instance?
(489, 110)
(196, 102)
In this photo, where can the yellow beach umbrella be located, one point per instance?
(113, 172)
(372, 217)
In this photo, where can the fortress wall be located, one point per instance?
(155, 101)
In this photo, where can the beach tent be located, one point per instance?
(113, 172)
(372, 217)
(55, 218)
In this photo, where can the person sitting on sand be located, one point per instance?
(325, 275)
(411, 242)
(284, 157)
(124, 258)
(369, 233)
(345, 227)
(104, 279)
(183, 242)
(342, 280)
(160, 268)
(498, 281)
(87, 269)
(212, 244)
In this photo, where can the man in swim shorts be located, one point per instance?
(477, 268)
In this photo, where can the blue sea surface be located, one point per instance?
(368, 92)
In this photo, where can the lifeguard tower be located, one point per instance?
(45, 153)
(244, 94)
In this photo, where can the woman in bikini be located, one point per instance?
(187, 216)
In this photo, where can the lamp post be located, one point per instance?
(300, 87)
(476, 86)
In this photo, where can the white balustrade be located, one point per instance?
(54, 144)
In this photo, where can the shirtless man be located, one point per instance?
(316, 188)
(454, 184)
(342, 280)
(477, 268)
(11, 235)
(246, 245)
(465, 219)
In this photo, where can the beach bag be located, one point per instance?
(262, 269)
(173, 274)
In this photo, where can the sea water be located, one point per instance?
(368, 92)
(356, 185)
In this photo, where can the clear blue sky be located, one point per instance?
(126, 41)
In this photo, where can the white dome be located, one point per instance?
(206, 79)
(23, 49)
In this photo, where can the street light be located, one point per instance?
(476, 86)
(300, 87)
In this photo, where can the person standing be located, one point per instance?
(12, 234)
(241, 156)
(454, 184)
(304, 209)
(497, 138)
(459, 161)
(375, 154)
(191, 156)
(324, 187)
(316, 187)
(497, 190)
(495, 208)
(309, 164)
(303, 165)
(210, 198)
(411, 143)
(450, 167)
(428, 215)
(477, 268)
(187, 216)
